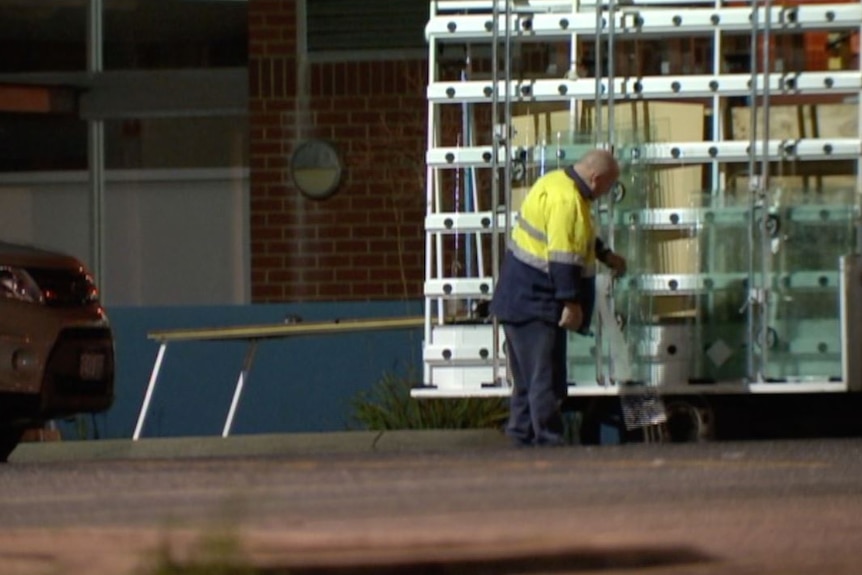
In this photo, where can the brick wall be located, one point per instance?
(366, 242)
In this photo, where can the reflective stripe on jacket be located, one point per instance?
(551, 257)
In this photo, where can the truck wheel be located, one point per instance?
(10, 436)
(689, 420)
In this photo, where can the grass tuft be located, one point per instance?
(388, 406)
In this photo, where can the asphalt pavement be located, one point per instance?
(259, 445)
(430, 502)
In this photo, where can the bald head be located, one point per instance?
(599, 169)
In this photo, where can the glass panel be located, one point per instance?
(686, 299)
(176, 207)
(173, 236)
(176, 189)
(51, 35)
(47, 209)
(350, 26)
(42, 142)
(43, 36)
(176, 237)
(686, 309)
(563, 151)
(724, 224)
(177, 142)
(170, 34)
(807, 235)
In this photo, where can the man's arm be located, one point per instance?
(572, 317)
(607, 256)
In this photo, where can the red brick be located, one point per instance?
(275, 191)
(282, 276)
(347, 131)
(374, 112)
(335, 232)
(318, 275)
(278, 162)
(267, 233)
(267, 292)
(318, 246)
(351, 275)
(335, 291)
(268, 262)
(335, 260)
(299, 291)
(259, 205)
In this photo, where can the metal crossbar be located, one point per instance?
(253, 334)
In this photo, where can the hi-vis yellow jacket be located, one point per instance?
(551, 256)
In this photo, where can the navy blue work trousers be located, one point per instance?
(536, 357)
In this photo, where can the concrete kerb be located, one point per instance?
(259, 445)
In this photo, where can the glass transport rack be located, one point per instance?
(737, 128)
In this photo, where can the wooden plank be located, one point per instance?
(282, 330)
(658, 121)
(532, 123)
(803, 121)
(643, 121)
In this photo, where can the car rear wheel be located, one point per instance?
(10, 436)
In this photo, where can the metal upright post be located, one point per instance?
(507, 143)
(611, 68)
(754, 189)
(507, 117)
(859, 161)
(151, 386)
(495, 175)
(597, 70)
(717, 113)
(495, 137)
(606, 140)
(96, 149)
(240, 384)
(431, 240)
(501, 130)
(765, 243)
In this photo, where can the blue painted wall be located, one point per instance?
(300, 384)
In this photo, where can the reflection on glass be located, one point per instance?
(697, 265)
(43, 36)
(181, 142)
(723, 285)
(791, 250)
(168, 34)
(42, 142)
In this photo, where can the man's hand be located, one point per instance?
(572, 316)
(616, 263)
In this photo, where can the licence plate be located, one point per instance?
(91, 366)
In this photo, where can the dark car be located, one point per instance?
(56, 344)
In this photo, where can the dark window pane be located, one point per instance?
(39, 37)
(171, 34)
(342, 25)
(42, 142)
